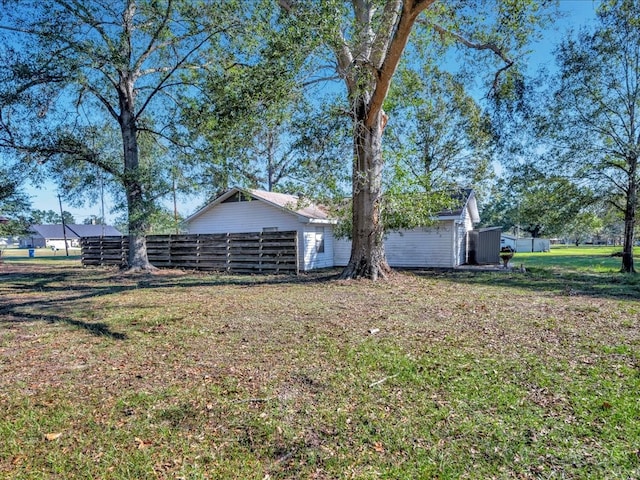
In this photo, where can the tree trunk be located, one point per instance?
(368, 259)
(137, 259)
(630, 220)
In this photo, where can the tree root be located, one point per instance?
(362, 269)
(137, 269)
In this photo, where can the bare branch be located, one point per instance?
(476, 46)
(151, 47)
(157, 133)
(85, 15)
(103, 100)
(174, 68)
(319, 80)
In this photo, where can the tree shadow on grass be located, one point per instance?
(115, 282)
(12, 309)
(91, 283)
(100, 329)
(65, 286)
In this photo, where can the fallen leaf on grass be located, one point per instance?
(142, 444)
(52, 436)
(378, 447)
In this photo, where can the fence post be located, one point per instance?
(198, 249)
(297, 251)
(228, 257)
(169, 249)
(260, 237)
(124, 259)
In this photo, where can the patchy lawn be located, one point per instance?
(182, 375)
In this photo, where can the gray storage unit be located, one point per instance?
(484, 246)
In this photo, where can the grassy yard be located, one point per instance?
(426, 375)
(584, 259)
(41, 256)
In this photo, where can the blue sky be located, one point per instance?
(575, 14)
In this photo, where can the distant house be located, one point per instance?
(443, 244)
(525, 245)
(4, 240)
(52, 236)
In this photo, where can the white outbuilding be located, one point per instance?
(444, 244)
(244, 211)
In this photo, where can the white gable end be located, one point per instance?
(420, 247)
(242, 217)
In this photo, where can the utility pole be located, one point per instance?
(64, 227)
(102, 200)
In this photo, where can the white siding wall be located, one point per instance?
(462, 239)
(312, 258)
(253, 216)
(526, 245)
(241, 217)
(420, 247)
(341, 251)
(443, 245)
(59, 244)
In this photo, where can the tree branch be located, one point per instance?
(84, 14)
(385, 32)
(321, 79)
(477, 46)
(166, 137)
(404, 24)
(104, 101)
(151, 47)
(173, 69)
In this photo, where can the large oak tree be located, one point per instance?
(369, 39)
(71, 66)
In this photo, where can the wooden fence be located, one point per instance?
(261, 252)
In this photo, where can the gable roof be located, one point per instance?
(462, 199)
(75, 231)
(313, 213)
(306, 211)
(457, 200)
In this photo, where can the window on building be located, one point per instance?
(319, 239)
